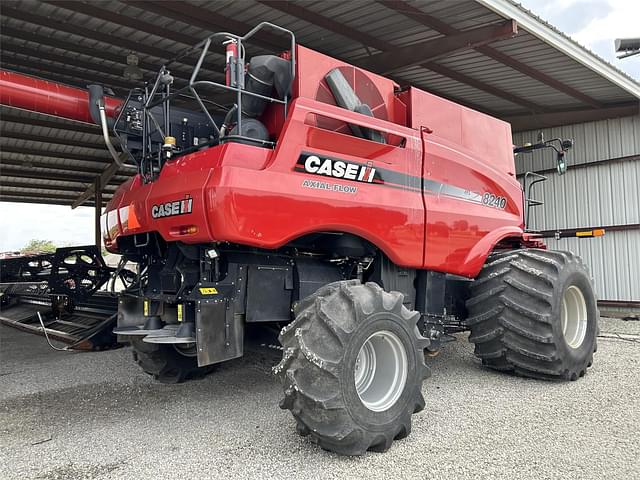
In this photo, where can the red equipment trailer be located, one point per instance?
(369, 222)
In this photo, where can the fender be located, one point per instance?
(474, 261)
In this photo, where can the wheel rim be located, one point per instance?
(381, 371)
(573, 316)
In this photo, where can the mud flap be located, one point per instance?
(219, 332)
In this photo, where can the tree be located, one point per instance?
(38, 246)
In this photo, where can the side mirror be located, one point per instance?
(562, 164)
(560, 146)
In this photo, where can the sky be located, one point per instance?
(593, 23)
(21, 222)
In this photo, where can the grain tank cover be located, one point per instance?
(481, 136)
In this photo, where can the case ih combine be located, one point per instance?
(366, 221)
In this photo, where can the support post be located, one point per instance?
(98, 201)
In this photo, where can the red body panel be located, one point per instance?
(424, 209)
(470, 150)
(37, 95)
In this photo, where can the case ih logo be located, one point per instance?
(330, 167)
(170, 209)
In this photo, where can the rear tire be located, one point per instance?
(353, 367)
(534, 312)
(165, 363)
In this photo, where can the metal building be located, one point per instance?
(599, 191)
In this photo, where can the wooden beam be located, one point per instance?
(546, 120)
(414, 13)
(430, 50)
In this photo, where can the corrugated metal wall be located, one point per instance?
(602, 194)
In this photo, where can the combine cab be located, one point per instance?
(366, 221)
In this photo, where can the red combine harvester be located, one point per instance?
(366, 221)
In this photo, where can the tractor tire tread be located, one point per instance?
(309, 376)
(510, 314)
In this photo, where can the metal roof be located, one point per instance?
(537, 78)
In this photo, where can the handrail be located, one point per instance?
(531, 202)
(159, 93)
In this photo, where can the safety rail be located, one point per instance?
(155, 100)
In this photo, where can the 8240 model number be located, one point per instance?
(491, 200)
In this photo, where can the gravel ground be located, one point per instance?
(95, 415)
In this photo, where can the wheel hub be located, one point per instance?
(380, 372)
(573, 316)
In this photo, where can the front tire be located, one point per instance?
(353, 367)
(534, 312)
(165, 363)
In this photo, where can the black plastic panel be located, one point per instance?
(269, 290)
(219, 333)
